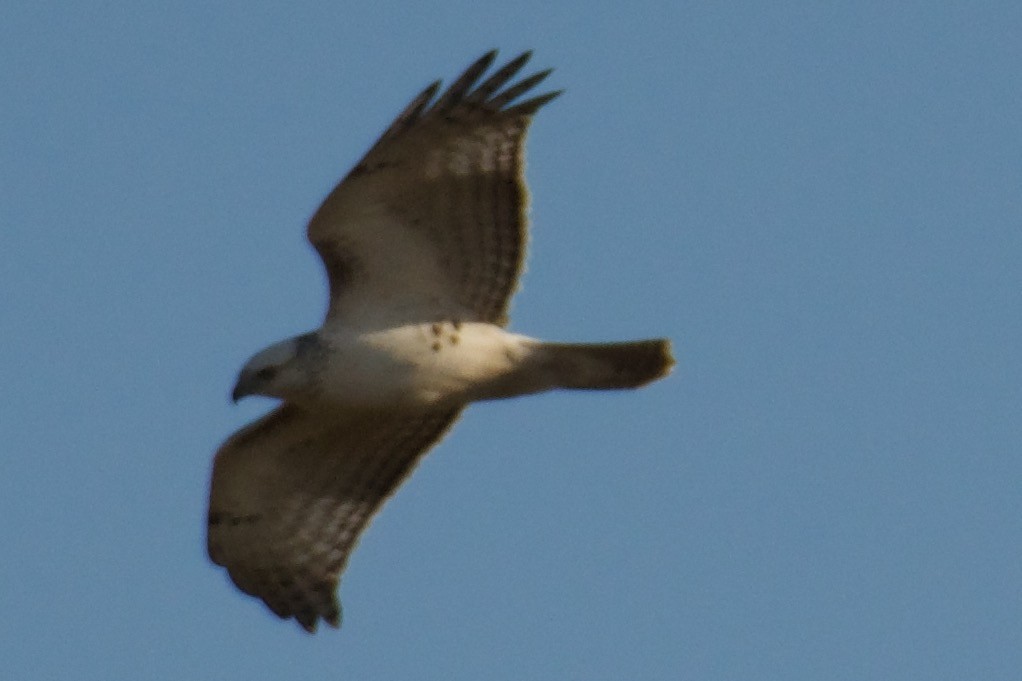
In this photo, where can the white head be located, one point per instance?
(283, 370)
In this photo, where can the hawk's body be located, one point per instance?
(423, 244)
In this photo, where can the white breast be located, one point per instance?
(420, 365)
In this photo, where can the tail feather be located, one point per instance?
(608, 366)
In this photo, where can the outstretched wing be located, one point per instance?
(432, 222)
(292, 492)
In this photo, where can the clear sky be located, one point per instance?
(820, 203)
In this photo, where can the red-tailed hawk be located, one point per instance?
(423, 244)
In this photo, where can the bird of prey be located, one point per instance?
(423, 244)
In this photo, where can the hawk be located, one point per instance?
(423, 244)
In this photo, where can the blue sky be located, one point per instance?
(820, 203)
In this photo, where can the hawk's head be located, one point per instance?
(282, 370)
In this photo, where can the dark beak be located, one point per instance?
(242, 388)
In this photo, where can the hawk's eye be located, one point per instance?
(266, 373)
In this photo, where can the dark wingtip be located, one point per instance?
(465, 95)
(530, 106)
(460, 87)
(518, 89)
(309, 617)
(431, 90)
(488, 93)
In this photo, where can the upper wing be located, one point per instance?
(291, 493)
(432, 222)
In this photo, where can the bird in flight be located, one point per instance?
(423, 244)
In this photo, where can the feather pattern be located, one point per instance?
(441, 193)
(292, 492)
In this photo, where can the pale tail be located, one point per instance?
(607, 366)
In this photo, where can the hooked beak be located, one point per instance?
(242, 388)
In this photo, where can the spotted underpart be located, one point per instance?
(445, 334)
